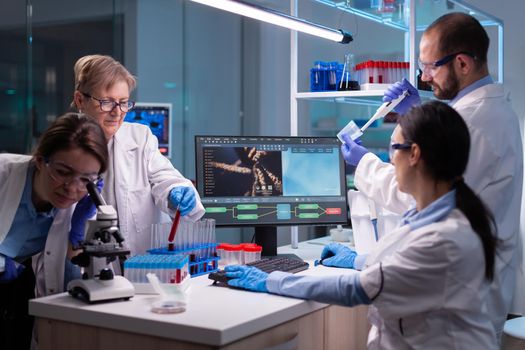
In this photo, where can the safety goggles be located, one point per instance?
(108, 105)
(396, 146)
(431, 68)
(65, 175)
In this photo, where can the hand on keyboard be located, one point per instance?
(247, 277)
(266, 265)
(338, 255)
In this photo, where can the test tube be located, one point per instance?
(184, 234)
(207, 231)
(173, 231)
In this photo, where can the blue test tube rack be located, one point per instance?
(203, 258)
(168, 268)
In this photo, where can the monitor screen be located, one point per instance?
(271, 181)
(157, 116)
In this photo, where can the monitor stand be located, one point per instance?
(266, 237)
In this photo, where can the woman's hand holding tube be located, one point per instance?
(184, 198)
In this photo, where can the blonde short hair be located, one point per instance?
(94, 72)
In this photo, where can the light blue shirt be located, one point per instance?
(434, 212)
(347, 289)
(339, 289)
(475, 85)
(28, 232)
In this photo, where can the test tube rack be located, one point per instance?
(202, 258)
(173, 269)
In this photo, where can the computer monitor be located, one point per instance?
(266, 182)
(157, 116)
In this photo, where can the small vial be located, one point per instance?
(252, 253)
(351, 129)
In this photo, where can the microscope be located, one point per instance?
(102, 245)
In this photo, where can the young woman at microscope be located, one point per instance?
(39, 193)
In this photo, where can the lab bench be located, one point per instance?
(215, 318)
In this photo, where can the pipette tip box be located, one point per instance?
(170, 269)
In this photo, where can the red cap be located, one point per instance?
(255, 248)
(233, 247)
(244, 245)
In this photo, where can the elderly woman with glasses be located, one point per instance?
(140, 182)
(38, 196)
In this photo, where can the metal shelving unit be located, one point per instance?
(406, 17)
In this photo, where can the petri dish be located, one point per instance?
(168, 307)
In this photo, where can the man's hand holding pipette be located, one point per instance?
(352, 151)
(397, 89)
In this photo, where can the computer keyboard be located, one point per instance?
(266, 265)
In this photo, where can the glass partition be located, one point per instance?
(41, 40)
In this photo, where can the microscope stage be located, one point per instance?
(94, 290)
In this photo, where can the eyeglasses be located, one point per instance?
(65, 175)
(396, 146)
(108, 105)
(430, 68)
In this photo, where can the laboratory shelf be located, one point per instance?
(356, 97)
(395, 13)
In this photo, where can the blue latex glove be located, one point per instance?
(396, 89)
(352, 151)
(11, 271)
(247, 277)
(184, 198)
(338, 255)
(84, 210)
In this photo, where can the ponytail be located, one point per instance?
(444, 140)
(481, 220)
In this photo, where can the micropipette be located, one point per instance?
(384, 109)
(171, 245)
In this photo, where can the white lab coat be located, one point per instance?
(494, 172)
(13, 172)
(143, 178)
(429, 289)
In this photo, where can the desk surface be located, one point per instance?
(214, 315)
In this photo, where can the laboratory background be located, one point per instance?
(219, 73)
(222, 73)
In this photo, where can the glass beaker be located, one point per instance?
(346, 82)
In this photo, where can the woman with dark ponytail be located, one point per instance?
(444, 143)
(427, 281)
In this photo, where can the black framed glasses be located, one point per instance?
(66, 175)
(431, 67)
(396, 146)
(108, 105)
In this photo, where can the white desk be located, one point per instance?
(215, 317)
